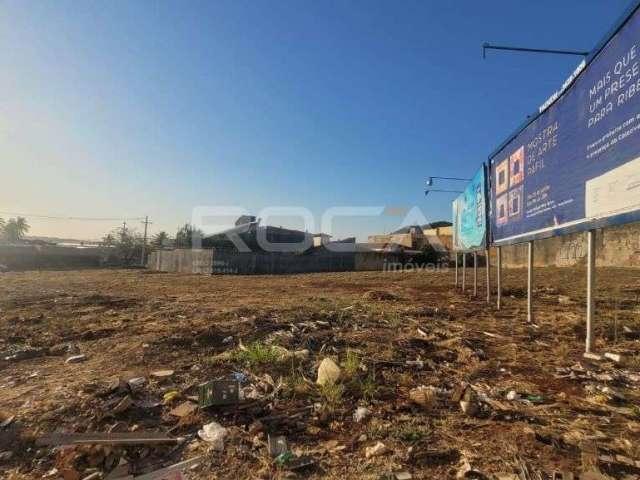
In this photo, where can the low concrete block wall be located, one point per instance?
(615, 247)
(220, 262)
(181, 261)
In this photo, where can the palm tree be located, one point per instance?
(15, 229)
(160, 239)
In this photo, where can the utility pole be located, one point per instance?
(124, 229)
(144, 240)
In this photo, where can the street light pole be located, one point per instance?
(488, 46)
(430, 179)
(426, 192)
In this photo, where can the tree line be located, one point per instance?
(183, 238)
(126, 243)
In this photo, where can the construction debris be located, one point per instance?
(374, 389)
(375, 450)
(426, 397)
(277, 445)
(162, 374)
(76, 359)
(184, 409)
(218, 392)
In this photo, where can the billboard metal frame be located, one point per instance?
(579, 225)
(486, 200)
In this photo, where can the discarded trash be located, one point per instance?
(614, 357)
(377, 449)
(172, 472)
(124, 438)
(465, 471)
(328, 372)
(283, 458)
(123, 405)
(360, 414)
(136, 382)
(215, 434)
(513, 395)
(162, 374)
(76, 359)
(298, 463)
(94, 476)
(184, 409)
(7, 421)
(25, 354)
(169, 397)
(239, 377)
(277, 445)
(419, 364)
(469, 402)
(592, 356)
(426, 397)
(402, 476)
(218, 392)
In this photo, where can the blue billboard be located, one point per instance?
(470, 215)
(576, 165)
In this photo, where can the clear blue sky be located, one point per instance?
(127, 108)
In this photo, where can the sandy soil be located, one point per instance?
(571, 414)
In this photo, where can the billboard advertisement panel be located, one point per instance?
(577, 164)
(470, 215)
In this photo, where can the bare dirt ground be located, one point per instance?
(534, 405)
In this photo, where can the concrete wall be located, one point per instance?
(181, 260)
(279, 263)
(221, 262)
(615, 247)
(404, 239)
(36, 257)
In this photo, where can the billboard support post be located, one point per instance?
(591, 284)
(456, 254)
(464, 270)
(530, 283)
(499, 275)
(475, 274)
(488, 268)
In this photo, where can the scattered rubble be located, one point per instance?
(76, 359)
(420, 384)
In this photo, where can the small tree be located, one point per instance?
(160, 239)
(15, 229)
(186, 235)
(109, 240)
(126, 247)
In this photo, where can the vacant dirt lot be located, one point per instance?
(534, 405)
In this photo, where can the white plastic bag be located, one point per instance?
(213, 433)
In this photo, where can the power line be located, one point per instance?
(90, 219)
